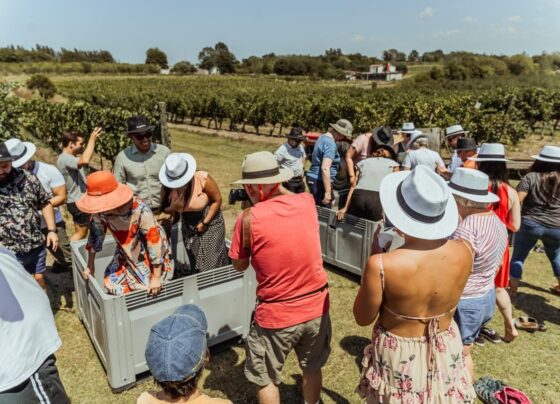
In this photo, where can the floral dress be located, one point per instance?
(140, 244)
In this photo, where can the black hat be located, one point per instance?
(5, 153)
(466, 143)
(297, 134)
(138, 124)
(383, 135)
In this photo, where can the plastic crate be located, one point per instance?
(118, 326)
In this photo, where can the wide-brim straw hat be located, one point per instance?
(550, 154)
(419, 203)
(344, 127)
(407, 127)
(103, 193)
(491, 152)
(471, 184)
(262, 168)
(177, 170)
(454, 130)
(21, 152)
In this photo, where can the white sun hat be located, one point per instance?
(491, 152)
(417, 134)
(550, 154)
(419, 203)
(407, 127)
(454, 130)
(21, 151)
(262, 168)
(471, 184)
(177, 170)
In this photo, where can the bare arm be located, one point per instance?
(214, 197)
(48, 214)
(522, 195)
(350, 153)
(241, 264)
(326, 176)
(514, 214)
(342, 212)
(86, 156)
(370, 296)
(59, 196)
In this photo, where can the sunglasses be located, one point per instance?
(142, 136)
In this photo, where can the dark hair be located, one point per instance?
(391, 151)
(549, 178)
(70, 136)
(497, 172)
(182, 389)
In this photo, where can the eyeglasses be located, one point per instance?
(142, 136)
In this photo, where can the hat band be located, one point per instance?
(544, 156)
(491, 156)
(482, 192)
(176, 177)
(414, 214)
(260, 174)
(458, 132)
(17, 157)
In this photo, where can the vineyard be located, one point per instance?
(269, 106)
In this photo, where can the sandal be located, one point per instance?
(526, 323)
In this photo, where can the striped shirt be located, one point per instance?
(488, 237)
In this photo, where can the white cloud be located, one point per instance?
(427, 12)
(514, 18)
(358, 38)
(508, 29)
(470, 20)
(440, 34)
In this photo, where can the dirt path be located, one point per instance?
(251, 137)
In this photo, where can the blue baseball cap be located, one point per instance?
(176, 348)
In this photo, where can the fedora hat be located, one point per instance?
(20, 151)
(417, 134)
(5, 154)
(344, 127)
(138, 124)
(419, 203)
(103, 193)
(454, 130)
(466, 143)
(383, 136)
(550, 154)
(177, 170)
(407, 127)
(297, 134)
(262, 168)
(490, 152)
(471, 184)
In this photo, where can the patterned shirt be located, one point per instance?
(140, 244)
(21, 198)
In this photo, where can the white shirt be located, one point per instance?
(423, 156)
(372, 171)
(456, 162)
(50, 177)
(27, 328)
(291, 157)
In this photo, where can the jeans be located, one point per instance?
(526, 238)
(473, 313)
(317, 189)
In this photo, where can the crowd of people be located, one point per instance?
(429, 300)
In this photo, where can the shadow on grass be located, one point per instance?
(59, 289)
(537, 306)
(355, 345)
(342, 272)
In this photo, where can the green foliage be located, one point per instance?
(520, 65)
(183, 68)
(77, 55)
(42, 84)
(219, 57)
(155, 56)
(77, 68)
(10, 111)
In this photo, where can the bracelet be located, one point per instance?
(51, 231)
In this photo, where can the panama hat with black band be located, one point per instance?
(21, 151)
(472, 185)
(5, 154)
(491, 152)
(550, 154)
(138, 125)
(262, 168)
(419, 203)
(454, 130)
(407, 127)
(177, 170)
(417, 134)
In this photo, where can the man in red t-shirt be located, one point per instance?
(279, 236)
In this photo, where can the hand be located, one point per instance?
(87, 272)
(327, 199)
(201, 228)
(155, 285)
(340, 214)
(52, 240)
(375, 247)
(96, 133)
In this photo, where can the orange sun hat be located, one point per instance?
(103, 193)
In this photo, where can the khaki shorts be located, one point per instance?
(267, 349)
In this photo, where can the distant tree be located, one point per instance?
(413, 56)
(155, 56)
(433, 56)
(520, 64)
(183, 68)
(219, 56)
(42, 84)
(266, 69)
(393, 55)
(402, 67)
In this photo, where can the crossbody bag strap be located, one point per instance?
(246, 230)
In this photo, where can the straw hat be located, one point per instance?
(490, 152)
(454, 130)
(103, 193)
(419, 203)
(407, 127)
(550, 154)
(262, 168)
(177, 170)
(471, 184)
(344, 127)
(20, 151)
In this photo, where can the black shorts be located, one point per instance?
(366, 205)
(79, 217)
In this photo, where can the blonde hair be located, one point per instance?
(467, 203)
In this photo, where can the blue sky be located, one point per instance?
(250, 27)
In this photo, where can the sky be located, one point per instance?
(181, 28)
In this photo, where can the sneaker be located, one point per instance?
(491, 335)
(479, 340)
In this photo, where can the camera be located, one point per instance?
(237, 195)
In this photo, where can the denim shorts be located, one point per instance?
(473, 313)
(34, 261)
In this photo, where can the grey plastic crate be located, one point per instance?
(346, 244)
(118, 326)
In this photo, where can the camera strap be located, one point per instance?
(246, 230)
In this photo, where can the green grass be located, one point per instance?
(529, 363)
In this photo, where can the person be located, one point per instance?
(53, 182)
(453, 134)
(22, 197)
(292, 310)
(71, 164)
(28, 372)
(176, 354)
(401, 147)
(196, 196)
(363, 199)
(325, 161)
(419, 154)
(539, 195)
(341, 183)
(291, 154)
(142, 257)
(508, 209)
(415, 351)
(362, 148)
(487, 236)
(138, 165)
(466, 150)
